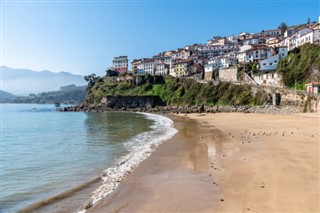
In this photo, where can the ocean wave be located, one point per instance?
(140, 147)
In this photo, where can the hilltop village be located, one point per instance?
(223, 58)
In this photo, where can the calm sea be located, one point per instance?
(45, 152)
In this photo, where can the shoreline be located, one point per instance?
(232, 161)
(171, 160)
(92, 191)
(264, 109)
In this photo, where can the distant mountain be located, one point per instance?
(24, 81)
(6, 97)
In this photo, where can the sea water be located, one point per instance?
(45, 152)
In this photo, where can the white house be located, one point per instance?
(285, 42)
(181, 53)
(251, 40)
(269, 63)
(162, 59)
(309, 37)
(161, 69)
(299, 38)
(120, 64)
(274, 32)
(241, 56)
(254, 53)
(282, 51)
(227, 61)
(212, 65)
(245, 47)
(148, 66)
(233, 39)
(269, 79)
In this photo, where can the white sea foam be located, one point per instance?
(140, 147)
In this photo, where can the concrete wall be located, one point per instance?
(208, 76)
(228, 74)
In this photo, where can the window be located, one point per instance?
(270, 64)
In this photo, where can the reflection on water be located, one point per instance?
(46, 152)
(116, 127)
(208, 145)
(211, 150)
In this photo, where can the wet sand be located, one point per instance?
(227, 163)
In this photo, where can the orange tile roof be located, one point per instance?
(313, 83)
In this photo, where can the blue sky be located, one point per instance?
(82, 37)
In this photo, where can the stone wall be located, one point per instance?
(300, 99)
(131, 101)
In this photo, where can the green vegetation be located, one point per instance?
(175, 91)
(283, 27)
(301, 66)
(75, 95)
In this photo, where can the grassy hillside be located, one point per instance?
(75, 95)
(175, 91)
(302, 65)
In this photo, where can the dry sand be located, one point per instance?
(227, 163)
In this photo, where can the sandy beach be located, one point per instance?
(224, 162)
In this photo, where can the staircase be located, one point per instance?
(249, 80)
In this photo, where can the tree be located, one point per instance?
(110, 72)
(308, 21)
(91, 79)
(283, 27)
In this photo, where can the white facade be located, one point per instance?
(250, 41)
(282, 51)
(120, 64)
(270, 63)
(198, 61)
(183, 54)
(162, 69)
(269, 79)
(148, 66)
(163, 59)
(241, 56)
(228, 61)
(245, 47)
(285, 42)
(310, 37)
(210, 67)
(299, 38)
(273, 32)
(316, 36)
(173, 72)
(232, 39)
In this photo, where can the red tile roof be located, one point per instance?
(313, 83)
